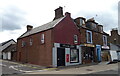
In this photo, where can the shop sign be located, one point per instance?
(89, 45)
(67, 46)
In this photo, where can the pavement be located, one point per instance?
(16, 68)
(92, 69)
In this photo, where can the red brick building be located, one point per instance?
(94, 41)
(53, 44)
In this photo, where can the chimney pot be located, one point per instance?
(68, 14)
(29, 27)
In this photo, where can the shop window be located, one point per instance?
(75, 39)
(23, 43)
(42, 38)
(74, 56)
(104, 40)
(31, 41)
(89, 36)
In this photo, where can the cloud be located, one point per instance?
(12, 18)
(108, 19)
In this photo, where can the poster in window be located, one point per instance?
(74, 55)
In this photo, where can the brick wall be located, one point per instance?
(37, 53)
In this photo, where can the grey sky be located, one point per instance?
(16, 14)
(12, 18)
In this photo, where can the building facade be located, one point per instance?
(63, 42)
(8, 50)
(115, 42)
(53, 44)
(94, 41)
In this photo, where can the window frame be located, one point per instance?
(82, 22)
(105, 40)
(42, 38)
(31, 42)
(23, 43)
(76, 54)
(75, 39)
(90, 36)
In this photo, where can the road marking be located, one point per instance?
(23, 65)
(3, 65)
(24, 70)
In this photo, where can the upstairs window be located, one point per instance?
(101, 29)
(23, 43)
(42, 38)
(94, 25)
(31, 41)
(89, 36)
(75, 39)
(82, 22)
(104, 40)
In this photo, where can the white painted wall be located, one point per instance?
(54, 54)
(4, 55)
(114, 55)
(9, 55)
(80, 54)
(54, 57)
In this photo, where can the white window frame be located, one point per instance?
(82, 22)
(31, 41)
(105, 42)
(75, 39)
(74, 53)
(90, 36)
(42, 38)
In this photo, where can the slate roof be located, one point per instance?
(43, 27)
(3, 43)
(10, 48)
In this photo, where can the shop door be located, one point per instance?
(60, 56)
(98, 51)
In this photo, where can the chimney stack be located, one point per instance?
(29, 27)
(114, 31)
(68, 14)
(100, 28)
(58, 13)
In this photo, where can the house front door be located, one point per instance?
(60, 56)
(98, 52)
